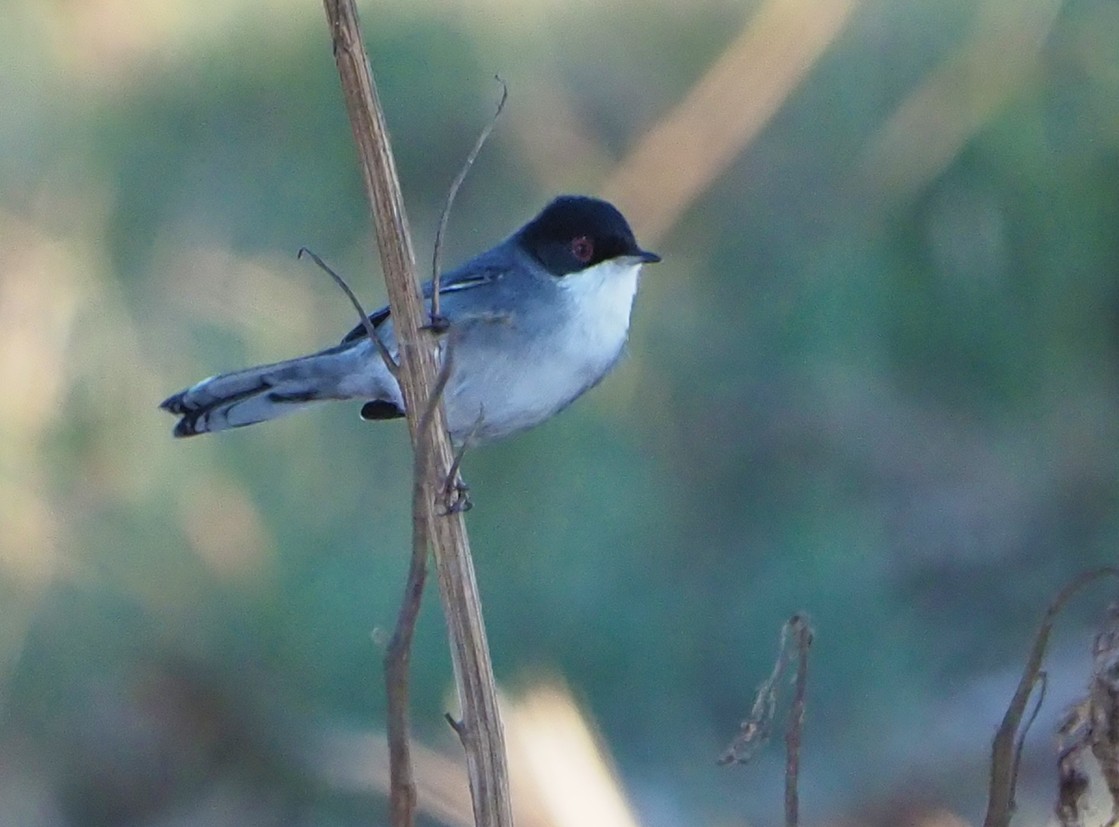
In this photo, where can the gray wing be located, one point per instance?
(470, 276)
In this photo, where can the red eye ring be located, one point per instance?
(582, 248)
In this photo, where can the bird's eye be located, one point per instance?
(582, 248)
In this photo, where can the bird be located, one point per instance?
(534, 322)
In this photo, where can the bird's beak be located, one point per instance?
(643, 257)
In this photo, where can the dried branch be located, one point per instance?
(483, 738)
(802, 637)
(1000, 796)
(1043, 684)
(753, 733)
(437, 251)
(365, 321)
(402, 787)
(398, 653)
(396, 661)
(1103, 700)
(1092, 726)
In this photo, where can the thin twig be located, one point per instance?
(402, 786)
(366, 322)
(802, 636)
(1000, 796)
(437, 252)
(796, 635)
(423, 443)
(397, 658)
(398, 654)
(754, 731)
(1042, 684)
(456, 725)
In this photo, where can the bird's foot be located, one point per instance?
(455, 494)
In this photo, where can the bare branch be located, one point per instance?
(437, 252)
(397, 659)
(456, 725)
(1043, 684)
(398, 654)
(802, 637)
(1000, 796)
(366, 322)
(796, 637)
(402, 792)
(754, 731)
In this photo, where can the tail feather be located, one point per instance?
(244, 397)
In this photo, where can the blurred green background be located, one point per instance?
(874, 379)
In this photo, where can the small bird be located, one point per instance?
(534, 323)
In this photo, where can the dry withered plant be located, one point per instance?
(754, 732)
(1079, 731)
(1091, 727)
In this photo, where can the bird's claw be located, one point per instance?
(456, 495)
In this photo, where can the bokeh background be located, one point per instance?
(875, 379)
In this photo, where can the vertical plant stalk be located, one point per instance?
(802, 640)
(792, 652)
(480, 729)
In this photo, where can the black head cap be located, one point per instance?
(575, 232)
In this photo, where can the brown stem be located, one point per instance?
(482, 734)
(754, 731)
(437, 250)
(363, 317)
(1000, 796)
(398, 654)
(802, 636)
(397, 660)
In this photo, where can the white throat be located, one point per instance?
(601, 299)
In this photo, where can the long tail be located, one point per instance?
(244, 397)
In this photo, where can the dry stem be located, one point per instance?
(437, 250)
(363, 317)
(398, 653)
(1004, 748)
(802, 632)
(481, 728)
(755, 730)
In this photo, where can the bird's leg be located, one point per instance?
(456, 493)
